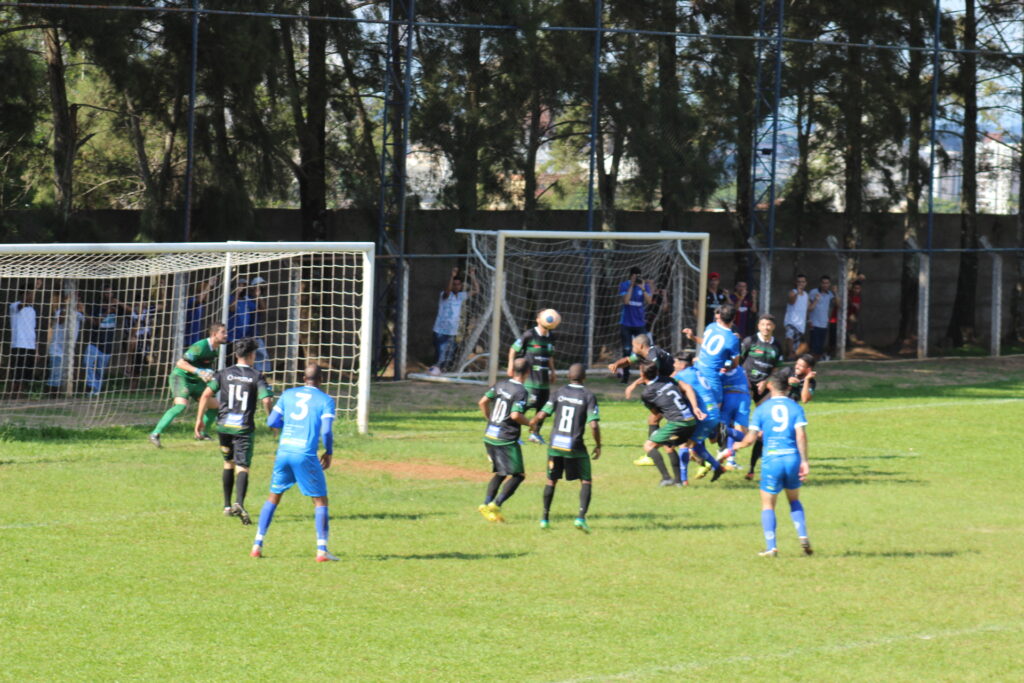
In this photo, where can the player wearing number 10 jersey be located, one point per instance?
(237, 389)
(504, 406)
(574, 407)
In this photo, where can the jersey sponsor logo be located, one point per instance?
(561, 442)
(493, 431)
(239, 378)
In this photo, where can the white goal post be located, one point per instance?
(579, 274)
(91, 331)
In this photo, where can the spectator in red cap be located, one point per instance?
(715, 298)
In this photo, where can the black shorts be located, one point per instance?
(506, 459)
(237, 448)
(572, 467)
(537, 398)
(756, 396)
(23, 365)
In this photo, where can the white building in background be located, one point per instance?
(998, 180)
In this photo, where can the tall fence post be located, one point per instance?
(924, 263)
(764, 278)
(844, 298)
(996, 309)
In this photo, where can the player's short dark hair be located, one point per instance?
(826, 277)
(577, 373)
(313, 373)
(243, 347)
(644, 338)
(800, 275)
(808, 358)
(520, 365)
(686, 355)
(649, 371)
(726, 312)
(216, 327)
(766, 316)
(635, 270)
(776, 382)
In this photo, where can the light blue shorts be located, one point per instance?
(781, 472)
(301, 468)
(736, 409)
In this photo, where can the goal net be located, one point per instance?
(91, 332)
(579, 274)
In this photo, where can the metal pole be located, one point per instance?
(294, 319)
(997, 298)
(498, 297)
(71, 332)
(702, 288)
(924, 276)
(776, 97)
(190, 145)
(365, 347)
(402, 314)
(402, 342)
(594, 109)
(225, 309)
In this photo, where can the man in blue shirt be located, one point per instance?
(635, 295)
(304, 415)
(246, 310)
(780, 422)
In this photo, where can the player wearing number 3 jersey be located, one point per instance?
(503, 407)
(780, 422)
(237, 389)
(305, 416)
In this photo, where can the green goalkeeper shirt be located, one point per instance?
(202, 355)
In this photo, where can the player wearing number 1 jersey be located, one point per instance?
(237, 389)
(574, 407)
(305, 416)
(503, 407)
(780, 421)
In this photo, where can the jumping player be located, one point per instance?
(644, 351)
(188, 379)
(665, 397)
(537, 346)
(237, 389)
(503, 407)
(574, 407)
(305, 416)
(719, 347)
(706, 425)
(781, 420)
(735, 414)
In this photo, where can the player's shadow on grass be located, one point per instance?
(369, 516)
(453, 555)
(908, 554)
(668, 526)
(36, 461)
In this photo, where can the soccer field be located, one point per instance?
(116, 563)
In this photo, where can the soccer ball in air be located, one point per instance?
(549, 318)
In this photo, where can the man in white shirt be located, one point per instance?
(796, 317)
(449, 315)
(822, 301)
(23, 342)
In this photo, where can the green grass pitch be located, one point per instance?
(116, 563)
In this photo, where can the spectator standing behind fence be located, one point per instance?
(819, 310)
(449, 315)
(714, 299)
(140, 339)
(746, 309)
(56, 347)
(796, 317)
(22, 364)
(195, 312)
(246, 309)
(103, 321)
(853, 316)
(636, 295)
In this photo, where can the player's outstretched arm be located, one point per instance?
(551, 370)
(632, 387)
(204, 400)
(511, 360)
(749, 439)
(620, 363)
(801, 445)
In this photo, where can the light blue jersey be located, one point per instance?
(735, 380)
(777, 420)
(735, 398)
(304, 415)
(700, 387)
(719, 346)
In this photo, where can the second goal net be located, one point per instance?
(579, 274)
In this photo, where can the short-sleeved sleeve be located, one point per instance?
(264, 390)
(801, 417)
(755, 422)
(624, 287)
(491, 393)
(214, 383)
(548, 408)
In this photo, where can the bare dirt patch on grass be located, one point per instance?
(415, 469)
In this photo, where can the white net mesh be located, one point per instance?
(90, 338)
(579, 276)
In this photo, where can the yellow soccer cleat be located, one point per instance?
(703, 471)
(644, 461)
(486, 513)
(495, 510)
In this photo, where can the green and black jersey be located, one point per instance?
(572, 407)
(661, 358)
(538, 349)
(760, 358)
(796, 384)
(509, 397)
(238, 388)
(202, 355)
(663, 395)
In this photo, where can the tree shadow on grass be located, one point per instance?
(668, 526)
(37, 461)
(907, 554)
(452, 555)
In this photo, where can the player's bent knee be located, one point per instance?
(179, 401)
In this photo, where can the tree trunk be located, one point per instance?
(668, 108)
(961, 322)
(467, 157)
(853, 155)
(1016, 332)
(63, 123)
(533, 137)
(608, 179)
(913, 188)
(312, 159)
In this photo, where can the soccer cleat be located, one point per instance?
(545, 524)
(719, 472)
(202, 437)
(644, 461)
(581, 524)
(666, 482)
(257, 552)
(725, 456)
(703, 471)
(324, 556)
(749, 476)
(733, 465)
(774, 552)
(228, 512)
(238, 511)
(495, 511)
(537, 438)
(805, 543)
(155, 440)
(486, 513)
(683, 484)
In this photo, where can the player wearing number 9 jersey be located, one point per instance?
(305, 416)
(780, 422)
(574, 407)
(237, 389)
(503, 407)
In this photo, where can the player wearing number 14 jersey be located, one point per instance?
(237, 389)
(504, 406)
(574, 407)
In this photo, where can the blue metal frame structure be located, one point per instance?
(764, 147)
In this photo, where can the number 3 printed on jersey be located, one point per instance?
(301, 407)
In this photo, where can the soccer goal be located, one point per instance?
(92, 331)
(579, 274)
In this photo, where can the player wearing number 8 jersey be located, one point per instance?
(780, 421)
(574, 407)
(503, 407)
(237, 389)
(305, 416)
